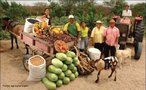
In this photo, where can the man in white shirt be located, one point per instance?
(127, 12)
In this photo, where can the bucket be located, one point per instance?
(94, 53)
(28, 27)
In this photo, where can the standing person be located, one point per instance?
(46, 16)
(84, 36)
(72, 27)
(111, 39)
(97, 36)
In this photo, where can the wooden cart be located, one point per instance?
(35, 45)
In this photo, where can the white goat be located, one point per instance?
(104, 64)
(122, 55)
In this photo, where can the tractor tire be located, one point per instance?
(25, 61)
(138, 50)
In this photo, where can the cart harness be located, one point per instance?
(12, 24)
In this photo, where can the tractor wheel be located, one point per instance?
(25, 61)
(138, 50)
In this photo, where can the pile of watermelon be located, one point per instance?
(62, 71)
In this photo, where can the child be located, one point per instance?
(84, 36)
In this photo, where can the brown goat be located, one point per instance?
(104, 64)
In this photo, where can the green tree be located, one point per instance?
(69, 5)
(117, 6)
(56, 9)
(139, 9)
(13, 10)
(4, 4)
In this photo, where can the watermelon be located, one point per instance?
(75, 59)
(72, 77)
(74, 70)
(66, 80)
(59, 83)
(68, 60)
(76, 74)
(61, 76)
(76, 63)
(61, 56)
(71, 66)
(64, 67)
(54, 69)
(49, 84)
(68, 73)
(52, 77)
(70, 54)
(57, 63)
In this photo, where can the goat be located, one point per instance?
(104, 64)
(122, 55)
(14, 27)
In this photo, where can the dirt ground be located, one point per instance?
(13, 75)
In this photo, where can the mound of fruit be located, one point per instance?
(61, 46)
(64, 37)
(57, 30)
(41, 28)
(62, 71)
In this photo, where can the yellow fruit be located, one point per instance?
(44, 25)
(57, 30)
(61, 32)
(36, 25)
(40, 29)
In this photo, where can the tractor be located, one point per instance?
(135, 31)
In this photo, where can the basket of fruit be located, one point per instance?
(56, 30)
(41, 28)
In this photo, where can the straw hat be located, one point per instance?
(127, 5)
(99, 22)
(70, 16)
(112, 21)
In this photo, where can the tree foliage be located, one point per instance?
(139, 9)
(69, 5)
(56, 10)
(116, 6)
(13, 10)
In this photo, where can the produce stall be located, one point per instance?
(66, 62)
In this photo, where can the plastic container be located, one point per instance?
(28, 27)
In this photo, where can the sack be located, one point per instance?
(94, 53)
(37, 68)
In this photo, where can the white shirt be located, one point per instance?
(127, 13)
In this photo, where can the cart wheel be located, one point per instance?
(25, 61)
(138, 50)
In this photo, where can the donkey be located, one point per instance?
(14, 27)
(104, 64)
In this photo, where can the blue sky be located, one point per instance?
(31, 2)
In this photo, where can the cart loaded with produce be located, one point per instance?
(66, 61)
